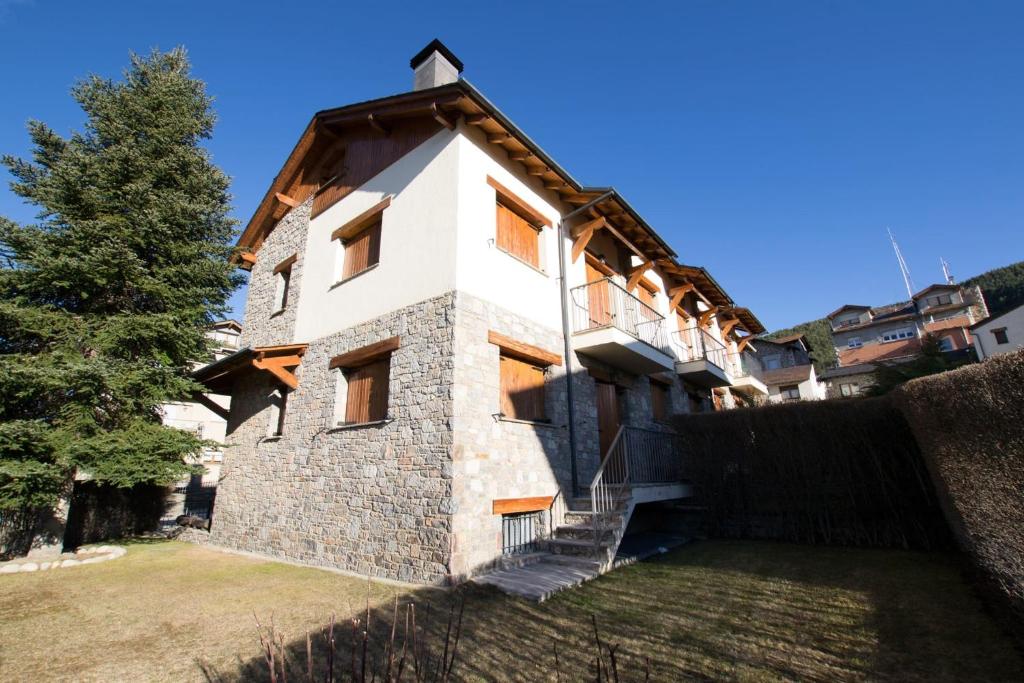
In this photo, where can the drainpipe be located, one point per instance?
(566, 332)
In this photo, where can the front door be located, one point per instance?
(597, 299)
(608, 419)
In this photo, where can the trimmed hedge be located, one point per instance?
(101, 512)
(834, 472)
(970, 426)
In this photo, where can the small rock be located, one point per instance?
(70, 563)
(29, 567)
(9, 569)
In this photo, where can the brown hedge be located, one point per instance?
(969, 424)
(839, 472)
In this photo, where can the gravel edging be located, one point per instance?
(82, 556)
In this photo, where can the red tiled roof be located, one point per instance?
(876, 352)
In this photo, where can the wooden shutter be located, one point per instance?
(522, 390)
(362, 251)
(517, 236)
(598, 300)
(368, 392)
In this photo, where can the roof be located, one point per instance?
(446, 104)
(845, 307)
(929, 288)
(848, 370)
(992, 318)
(791, 375)
(230, 322)
(436, 46)
(905, 348)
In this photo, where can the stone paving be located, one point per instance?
(543, 578)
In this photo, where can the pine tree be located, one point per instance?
(103, 300)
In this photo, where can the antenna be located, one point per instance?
(904, 269)
(945, 272)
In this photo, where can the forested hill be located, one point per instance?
(1003, 289)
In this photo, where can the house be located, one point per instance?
(999, 334)
(787, 369)
(205, 417)
(453, 351)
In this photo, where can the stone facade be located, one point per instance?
(373, 499)
(263, 326)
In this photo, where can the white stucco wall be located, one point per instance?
(417, 244)
(985, 341)
(482, 269)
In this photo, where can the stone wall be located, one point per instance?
(263, 326)
(372, 499)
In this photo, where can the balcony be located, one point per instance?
(747, 375)
(703, 359)
(613, 326)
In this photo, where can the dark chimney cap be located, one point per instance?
(438, 46)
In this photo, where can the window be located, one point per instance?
(772, 363)
(283, 278)
(941, 300)
(522, 369)
(519, 532)
(660, 401)
(896, 335)
(522, 390)
(518, 226)
(1001, 336)
(362, 383)
(359, 242)
(854, 343)
(790, 392)
(278, 409)
(849, 389)
(946, 343)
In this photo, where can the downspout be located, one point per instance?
(566, 332)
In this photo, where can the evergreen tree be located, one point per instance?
(104, 299)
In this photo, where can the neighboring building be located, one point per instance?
(999, 334)
(206, 418)
(418, 389)
(787, 370)
(864, 336)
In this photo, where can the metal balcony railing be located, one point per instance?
(605, 303)
(745, 365)
(695, 343)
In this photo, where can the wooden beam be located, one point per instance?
(444, 118)
(637, 273)
(554, 184)
(476, 119)
(285, 376)
(507, 506)
(285, 199)
(598, 223)
(280, 361)
(377, 125)
(743, 343)
(497, 138)
(528, 352)
(520, 156)
(729, 324)
(707, 315)
(678, 293)
(584, 236)
(365, 354)
(248, 260)
(211, 405)
(286, 264)
(537, 170)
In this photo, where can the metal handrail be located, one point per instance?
(556, 513)
(636, 456)
(695, 343)
(617, 308)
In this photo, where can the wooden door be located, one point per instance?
(608, 419)
(597, 298)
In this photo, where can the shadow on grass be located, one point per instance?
(711, 611)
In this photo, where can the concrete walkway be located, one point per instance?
(543, 578)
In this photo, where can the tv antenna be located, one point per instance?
(904, 269)
(946, 273)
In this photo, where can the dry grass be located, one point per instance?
(715, 610)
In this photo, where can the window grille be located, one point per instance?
(519, 533)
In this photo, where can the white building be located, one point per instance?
(999, 334)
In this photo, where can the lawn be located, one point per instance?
(714, 610)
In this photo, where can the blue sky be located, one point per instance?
(772, 142)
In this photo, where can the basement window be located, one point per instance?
(519, 533)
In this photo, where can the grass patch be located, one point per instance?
(716, 610)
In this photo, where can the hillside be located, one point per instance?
(1003, 289)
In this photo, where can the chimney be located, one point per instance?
(434, 65)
